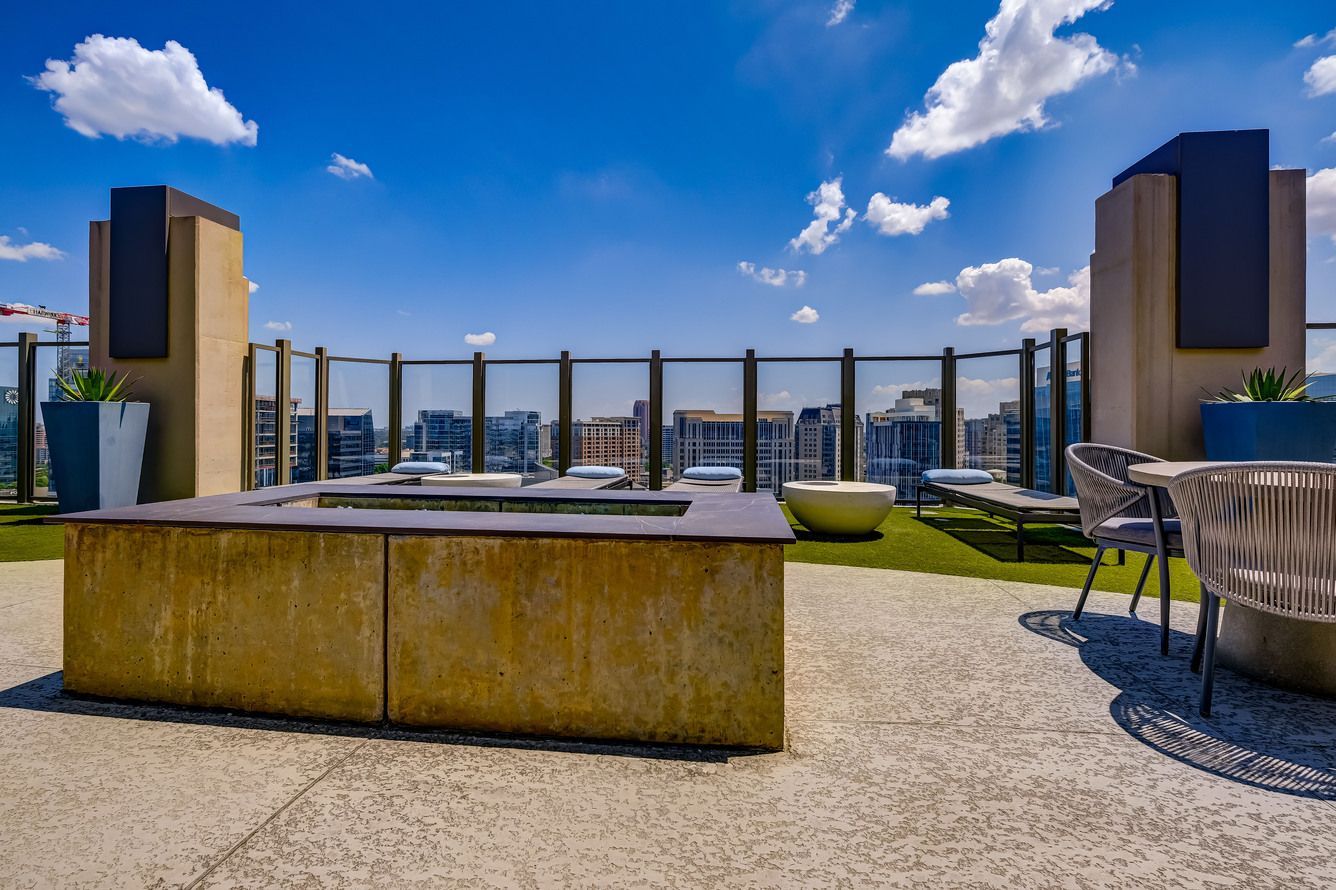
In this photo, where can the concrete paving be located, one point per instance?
(942, 731)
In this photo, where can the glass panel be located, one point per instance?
(610, 411)
(900, 403)
(798, 419)
(1075, 377)
(51, 361)
(358, 436)
(702, 416)
(1322, 362)
(266, 364)
(988, 395)
(1042, 421)
(521, 405)
(303, 427)
(437, 410)
(9, 422)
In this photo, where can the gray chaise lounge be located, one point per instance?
(1023, 506)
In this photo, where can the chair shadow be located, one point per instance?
(998, 541)
(1257, 735)
(47, 694)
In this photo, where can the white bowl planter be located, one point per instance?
(839, 508)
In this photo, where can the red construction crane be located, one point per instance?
(64, 321)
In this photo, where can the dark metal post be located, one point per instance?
(321, 413)
(27, 444)
(283, 413)
(565, 433)
(848, 429)
(749, 423)
(396, 409)
(1057, 410)
(950, 443)
(655, 420)
(1085, 386)
(248, 419)
(479, 428)
(1027, 412)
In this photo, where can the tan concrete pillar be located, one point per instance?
(1145, 390)
(195, 430)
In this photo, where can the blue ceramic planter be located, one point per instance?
(1269, 430)
(97, 452)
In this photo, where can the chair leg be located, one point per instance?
(1162, 557)
(918, 505)
(1197, 645)
(1141, 582)
(1122, 557)
(1090, 579)
(1020, 542)
(1208, 669)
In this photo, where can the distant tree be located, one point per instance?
(381, 468)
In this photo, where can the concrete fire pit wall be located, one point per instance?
(279, 622)
(665, 641)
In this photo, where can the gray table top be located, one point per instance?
(1160, 473)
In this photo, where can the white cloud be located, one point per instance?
(115, 87)
(773, 277)
(33, 250)
(775, 399)
(1323, 359)
(1004, 291)
(278, 325)
(253, 286)
(827, 202)
(805, 315)
(486, 338)
(347, 168)
(934, 289)
(978, 397)
(1322, 203)
(892, 218)
(1321, 76)
(1021, 65)
(839, 12)
(1315, 39)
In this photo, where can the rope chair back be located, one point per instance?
(1103, 488)
(1263, 534)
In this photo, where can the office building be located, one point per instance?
(817, 440)
(609, 442)
(707, 438)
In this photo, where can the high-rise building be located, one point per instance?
(512, 444)
(9, 439)
(640, 410)
(1043, 425)
(706, 438)
(266, 440)
(816, 444)
(902, 442)
(444, 435)
(352, 442)
(932, 396)
(993, 443)
(609, 442)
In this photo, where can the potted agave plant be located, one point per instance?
(96, 437)
(1271, 418)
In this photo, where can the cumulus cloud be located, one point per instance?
(773, 277)
(934, 289)
(1021, 64)
(1316, 39)
(827, 203)
(805, 315)
(1321, 76)
(1322, 203)
(253, 286)
(115, 87)
(33, 250)
(1004, 291)
(839, 12)
(893, 218)
(347, 168)
(486, 338)
(278, 325)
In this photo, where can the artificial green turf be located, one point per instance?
(951, 541)
(23, 535)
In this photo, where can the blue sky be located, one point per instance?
(590, 177)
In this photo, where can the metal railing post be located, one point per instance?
(749, 421)
(1027, 412)
(565, 433)
(848, 416)
(248, 419)
(655, 420)
(1085, 386)
(283, 413)
(478, 444)
(949, 439)
(396, 443)
(1057, 410)
(26, 480)
(321, 413)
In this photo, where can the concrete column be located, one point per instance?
(196, 421)
(1145, 390)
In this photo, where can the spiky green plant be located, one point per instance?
(94, 385)
(1270, 386)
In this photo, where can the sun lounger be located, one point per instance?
(588, 479)
(1023, 506)
(721, 480)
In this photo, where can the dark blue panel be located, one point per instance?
(1224, 235)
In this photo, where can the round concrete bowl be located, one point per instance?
(473, 480)
(839, 508)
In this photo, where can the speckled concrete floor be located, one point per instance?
(942, 732)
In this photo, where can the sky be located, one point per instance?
(698, 178)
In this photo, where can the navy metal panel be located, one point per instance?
(137, 299)
(1224, 235)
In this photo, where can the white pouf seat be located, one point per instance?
(839, 508)
(474, 480)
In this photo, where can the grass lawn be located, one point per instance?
(23, 535)
(952, 541)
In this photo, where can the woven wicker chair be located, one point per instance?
(1261, 535)
(1116, 513)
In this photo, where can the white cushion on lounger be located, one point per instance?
(419, 467)
(596, 472)
(712, 474)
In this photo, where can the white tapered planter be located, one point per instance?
(839, 508)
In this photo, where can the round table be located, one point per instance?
(473, 480)
(839, 508)
(1291, 654)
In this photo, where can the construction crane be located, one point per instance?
(64, 321)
